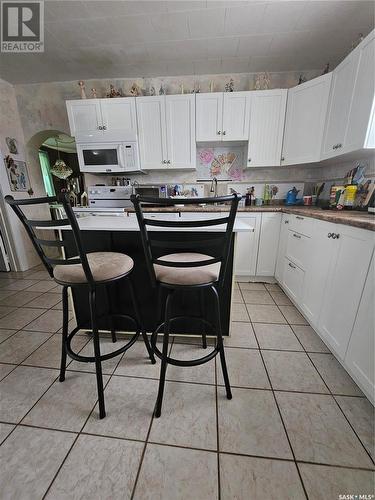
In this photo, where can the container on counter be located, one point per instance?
(307, 200)
(258, 202)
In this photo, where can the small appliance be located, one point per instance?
(291, 197)
(152, 190)
(109, 197)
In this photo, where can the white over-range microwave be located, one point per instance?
(108, 157)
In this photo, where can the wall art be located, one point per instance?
(17, 174)
(12, 145)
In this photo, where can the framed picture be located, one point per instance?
(17, 175)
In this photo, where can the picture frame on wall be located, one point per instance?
(18, 175)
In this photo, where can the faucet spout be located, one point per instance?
(213, 188)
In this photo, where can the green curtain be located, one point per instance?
(47, 177)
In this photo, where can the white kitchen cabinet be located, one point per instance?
(293, 279)
(98, 118)
(305, 118)
(321, 251)
(119, 114)
(247, 245)
(268, 244)
(236, 115)
(266, 129)
(180, 125)
(358, 134)
(166, 127)
(359, 358)
(209, 116)
(223, 116)
(352, 251)
(279, 269)
(152, 132)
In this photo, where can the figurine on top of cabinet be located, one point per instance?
(262, 81)
(94, 94)
(161, 90)
(197, 89)
(152, 90)
(326, 69)
(135, 90)
(302, 79)
(112, 92)
(229, 87)
(81, 84)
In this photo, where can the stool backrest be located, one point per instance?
(70, 222)
(156, 243)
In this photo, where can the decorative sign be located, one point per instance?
(222, 162)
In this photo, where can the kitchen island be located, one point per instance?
(121, 234)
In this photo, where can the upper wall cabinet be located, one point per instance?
(305, 118)
(90, 118)
(267, 117)
(166, 127)
(223, 116)
(350, 109)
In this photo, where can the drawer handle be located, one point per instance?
(299, 217)
(297, 236)
(286, 222)
(335, 236)
(291, 265)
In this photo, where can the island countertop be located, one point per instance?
(353, 218)
(125, 223)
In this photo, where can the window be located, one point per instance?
(47, 177)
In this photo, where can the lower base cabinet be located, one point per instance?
(247, 245)
(359, 358)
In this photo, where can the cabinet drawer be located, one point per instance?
(203, 215)
(157, 215)
(301, 224)
(293, 279)
(297, 249)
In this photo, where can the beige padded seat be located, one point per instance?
(105, 266)
(187, 275)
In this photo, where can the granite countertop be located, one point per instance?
(353, 218)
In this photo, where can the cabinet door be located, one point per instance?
(321, 250)
(362, 104)
(246, 250)
(85, 117)
(209, 116)
(267, 117)
(343, 80)
(119, 114)
(359, 357)
(152, 132)
(180, 116)
(281, 251)
(345, 282)
(268, 242)
(236, 115)
(305, 118)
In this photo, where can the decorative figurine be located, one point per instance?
(257, 83)
(197, 88)
(302, 79)
(135, 90)
(266, 81)
(326, 69)
(262, 81)
(152, 90)
(112, 92)
(94, 94)
(182, 88)
(161, 90)
(211, 86)
(81, 84)
(229, 87)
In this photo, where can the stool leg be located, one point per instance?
(64, 332)
(98, 363)
(139, 321)
(163, 367)
(204, 337)
(220, 345)
(110, 318)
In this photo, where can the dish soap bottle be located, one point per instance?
(267, 194)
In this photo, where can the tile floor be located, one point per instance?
(297, 427)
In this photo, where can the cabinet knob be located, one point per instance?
(282, 158)
(218, 132)
(339, 145)
(286, 222)
(335, 236)
(291, 265)
(249, 160)
(297, 236)
(100, 127)
(299, 217)
(329, 235)
(169, 161)
(164, 161)
(224, 133)
(104, 127)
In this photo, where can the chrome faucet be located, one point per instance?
(134, 185)
(213, 188)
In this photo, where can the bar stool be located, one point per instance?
(187, 270)
(87, 270)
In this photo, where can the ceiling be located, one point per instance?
(113, 39)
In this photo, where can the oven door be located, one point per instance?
(100, 158)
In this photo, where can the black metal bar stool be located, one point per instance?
(186, 270)
(89, 270)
